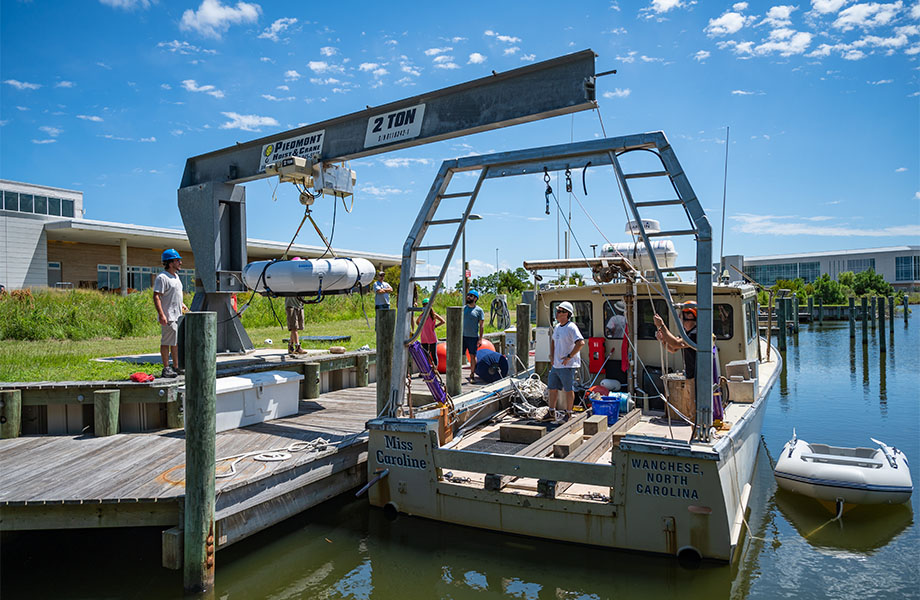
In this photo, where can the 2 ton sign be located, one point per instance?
(396, 126)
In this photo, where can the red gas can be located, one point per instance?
(595, 354)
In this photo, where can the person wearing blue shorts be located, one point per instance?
(565, 347)
(473, 318)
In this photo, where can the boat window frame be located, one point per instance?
(647, 330)
(607, 313)
(587, 308)
(716, 318)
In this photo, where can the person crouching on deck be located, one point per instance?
(565, 347)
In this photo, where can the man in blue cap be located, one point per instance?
(473, 318)
(167, 298)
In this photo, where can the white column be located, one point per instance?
(123, 278)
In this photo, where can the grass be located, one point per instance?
(69, 356)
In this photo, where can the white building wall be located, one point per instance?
(24, 259)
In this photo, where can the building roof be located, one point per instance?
(103, 232)
(831, 253)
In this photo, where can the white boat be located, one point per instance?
(851, 475)
(650, 482)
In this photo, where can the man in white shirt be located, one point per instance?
(565, 347)
(167, 298)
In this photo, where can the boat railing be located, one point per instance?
(837, 459)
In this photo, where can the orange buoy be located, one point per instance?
(442, 354)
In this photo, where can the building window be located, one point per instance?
(107, 277)
(809, 271)
(41, 205)
(582, 316)
(187, 277)
(11, 200)
(54, 206)
(25, 203)
(67, 208)
(767, 275)
(858, 265)
(907, 268)
(140, 278)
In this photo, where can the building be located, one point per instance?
(899, 265)
(47, 242)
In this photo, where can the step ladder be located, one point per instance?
(702, 231)
(556, 158)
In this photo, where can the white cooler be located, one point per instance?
(255, 398)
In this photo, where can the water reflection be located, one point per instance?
(882, 391)
(864, 529)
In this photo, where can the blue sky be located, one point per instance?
(110, 97)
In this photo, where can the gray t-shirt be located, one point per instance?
(293, 302)
(471, 319)
(169, 286)
(384, 298)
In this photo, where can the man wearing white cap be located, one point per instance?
(565, 347)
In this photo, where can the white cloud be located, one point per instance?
(50, 131)
(127, 4)
(511, 50)
(49, 141)
(379, 72)
(854, 55)
(328, 51)
(212, 18)
(618, 31)
(701, 55)
(778, 16)
(104, 66)
(321, 66)
(476, 59)
(435, 51)
(325, 81)
(618, 93)
(739, 6)
(786, 42)
(457, 39)
(368, 66)
(277, 99)
(794, 225)
(629, 58)
(870, 14)
(247, 122)
(447, 64)
(150, 139)
(827, 6)
(380, 192)
(291, 75)
(742, 93)
(663, 6)
(529, 57)
(64, 84)
(650, 59)
(407, 67)
(283, 88)
(93, 118)
(165, 86)
(915, 11)
(727, 24)
(880, 82)
(192, 86)
(508, 39)
(267, 59)
(178, 47)
(273, 31)
(900, 169)
(405, 162)
(22, 85)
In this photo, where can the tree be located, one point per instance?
(829, 291)
(870, 282)
(847, 278)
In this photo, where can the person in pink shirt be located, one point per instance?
(429, 337)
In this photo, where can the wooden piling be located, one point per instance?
(864, 302)
(386, 330)
(454, 349)
(522, 338)
(891, 312)
(361, 370)
(781, 324)
(311, 380)
(11, 413)
(200, 439)
(502, 347)
(872, 312)
(820, 310)
(881, 325)
(105, 412)
(906, 310)
(811, 308)
(852, 317)
(795, 313)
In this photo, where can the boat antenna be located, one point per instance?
(724, 190)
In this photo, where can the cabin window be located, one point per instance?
(614, 320)
(723, 319)
(582, 317)
(750, 320)
(646, 318)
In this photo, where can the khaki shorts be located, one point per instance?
(294, 318)
(169, 334)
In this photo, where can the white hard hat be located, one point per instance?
(566, 306)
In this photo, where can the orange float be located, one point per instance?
(442, 354)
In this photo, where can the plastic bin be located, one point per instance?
(608, 406)
(623, 399)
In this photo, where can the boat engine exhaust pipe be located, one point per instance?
(689, 557)
(390, 511)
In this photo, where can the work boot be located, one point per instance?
(300, 350)
(168, 373)
(291, 349)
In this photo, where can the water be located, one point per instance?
(835, 391)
